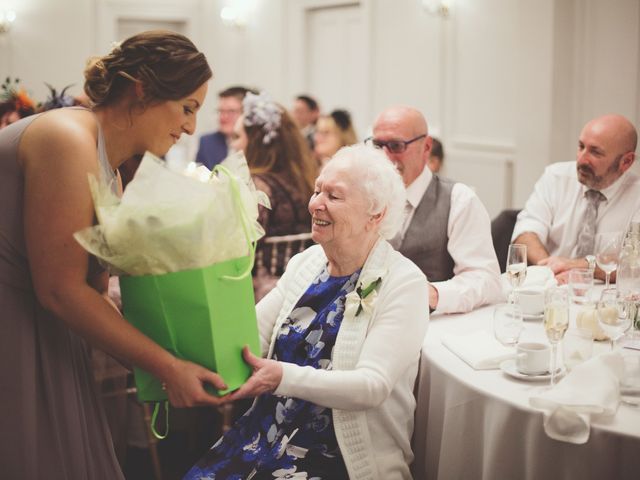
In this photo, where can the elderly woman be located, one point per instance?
(342, 332)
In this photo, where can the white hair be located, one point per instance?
(379, 180)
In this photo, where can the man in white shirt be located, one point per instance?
(559, 223)
(447, 230)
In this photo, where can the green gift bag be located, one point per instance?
(206, 315)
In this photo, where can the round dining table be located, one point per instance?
(478, 424)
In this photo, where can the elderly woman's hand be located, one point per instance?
(265, 378)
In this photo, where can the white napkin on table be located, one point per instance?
(479, 349)
(591, 388)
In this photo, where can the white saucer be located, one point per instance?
(532, 316)
(509, 367)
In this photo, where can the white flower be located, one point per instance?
(289, 473)
(364, 297)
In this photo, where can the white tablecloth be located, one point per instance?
(479, 425)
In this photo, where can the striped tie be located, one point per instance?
(586, 237)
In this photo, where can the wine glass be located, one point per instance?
(556, 322)
(507, 323)
(613, 314)
(608, 246)
(516, 268)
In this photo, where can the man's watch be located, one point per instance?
(591, 262)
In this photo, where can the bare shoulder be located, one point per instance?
(60, 136)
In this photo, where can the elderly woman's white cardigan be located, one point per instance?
(375, 360)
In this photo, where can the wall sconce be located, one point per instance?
(233, 17)
(7, 17)
(437, 7)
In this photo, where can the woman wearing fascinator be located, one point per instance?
(333, 132)
(281, 166)
(145, 94)
(341, 333)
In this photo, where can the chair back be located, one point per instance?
(273, 253)
(501, 231)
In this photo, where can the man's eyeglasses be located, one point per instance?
(394, 146)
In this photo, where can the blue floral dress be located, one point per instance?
(284, 437)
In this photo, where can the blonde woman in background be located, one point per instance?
(333, 132)
(282, 166)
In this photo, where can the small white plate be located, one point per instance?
(532, 316)
(509, 367)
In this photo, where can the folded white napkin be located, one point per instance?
(479, 349)
(538, 277)
(591, 388)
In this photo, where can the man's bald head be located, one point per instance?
(606, 149)
(403, 123)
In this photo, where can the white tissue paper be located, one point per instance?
(168, 221)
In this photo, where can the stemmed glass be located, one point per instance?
(556, 322)
(608, 246)
(613, 314)
(516, 268)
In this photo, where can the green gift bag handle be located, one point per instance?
(154, 417)
(244, 220)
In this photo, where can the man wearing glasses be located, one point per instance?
(447, 230)
(214, 147)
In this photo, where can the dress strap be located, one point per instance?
(107, 173)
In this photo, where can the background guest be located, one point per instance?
(436, 157)
(305, 113)
(574, 200)
(145, 93)
(15, 102)
(333, 132)
(281, 166)
(342, 333)
(447, 230)
(214, 147)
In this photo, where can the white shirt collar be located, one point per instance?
(610, 191)
(417, 188)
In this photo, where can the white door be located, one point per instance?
(337, 63)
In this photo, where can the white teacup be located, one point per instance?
(532, 358)
(531, 301)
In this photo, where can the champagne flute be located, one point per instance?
(608, 246)
(613, 315)
(556, 322)
(516, 268)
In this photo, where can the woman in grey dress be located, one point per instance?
(145, 93)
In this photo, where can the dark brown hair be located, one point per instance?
(167, 65)
(288, 154)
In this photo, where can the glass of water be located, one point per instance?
(507, 323)
(580, 283)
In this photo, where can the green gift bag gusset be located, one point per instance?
(205, 315)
